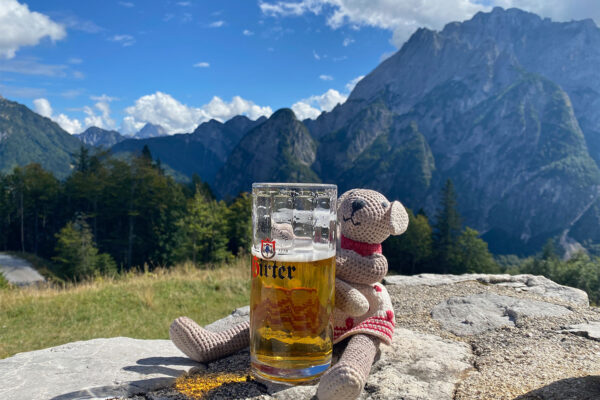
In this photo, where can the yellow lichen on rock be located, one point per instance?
(197, 385)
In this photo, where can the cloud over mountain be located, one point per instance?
(162, 109)
(403, 17)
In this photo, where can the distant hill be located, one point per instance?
(201, 152)
(150, 131)
(27, 137)
(99, 137)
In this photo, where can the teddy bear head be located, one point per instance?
(367, 216)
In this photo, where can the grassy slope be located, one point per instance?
(140, 306)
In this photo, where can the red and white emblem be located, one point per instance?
(267, 248)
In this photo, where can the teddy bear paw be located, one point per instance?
(193, 340)
(341, 382)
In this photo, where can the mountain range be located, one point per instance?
(504, 104)
(98, 137)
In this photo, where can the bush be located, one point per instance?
(77, 257)
(4, 284)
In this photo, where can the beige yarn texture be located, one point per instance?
(346, 379)
(201, 345)
(363, 216)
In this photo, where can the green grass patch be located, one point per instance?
(140, 305)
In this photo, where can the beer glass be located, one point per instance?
(293, 277)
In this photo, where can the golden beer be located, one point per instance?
(291, 328)
(293, 280)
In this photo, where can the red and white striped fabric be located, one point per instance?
(379, 321)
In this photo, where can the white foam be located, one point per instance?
(300, 254)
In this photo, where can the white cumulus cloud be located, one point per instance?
(21, 27)
(202, 65)
(101, 119)
(42, 106)
(326, 77)
(247, 32)
(162, 109)
(403, 17)
(313, 106)
(350, 85)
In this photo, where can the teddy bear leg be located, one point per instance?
(201, 345)
(346, 379)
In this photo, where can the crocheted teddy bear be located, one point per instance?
(363, 307)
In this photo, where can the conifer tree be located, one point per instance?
(446, 228)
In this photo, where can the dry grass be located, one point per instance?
(139, 305)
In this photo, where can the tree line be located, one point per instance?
(114, 214)
(446, 247)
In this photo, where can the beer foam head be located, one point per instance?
(299, 254)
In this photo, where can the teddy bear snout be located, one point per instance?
(358, 204)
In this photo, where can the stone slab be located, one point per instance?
(474, 314)
(92, 369)
(527, 283)
(590, 330)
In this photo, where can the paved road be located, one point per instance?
(18, 271)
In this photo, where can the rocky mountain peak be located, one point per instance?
(283, 115)
(150, 130)
(99, 137)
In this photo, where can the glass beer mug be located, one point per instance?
(293, 277)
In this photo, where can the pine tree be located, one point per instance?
(446, 229)
(83, 159)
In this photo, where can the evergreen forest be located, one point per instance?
(112, 215)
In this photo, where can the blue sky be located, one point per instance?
(119, 64)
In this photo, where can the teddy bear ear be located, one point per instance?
(398, 218)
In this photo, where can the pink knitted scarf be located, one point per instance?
(362, 248)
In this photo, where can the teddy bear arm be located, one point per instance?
(349, 299)
(202, 345)
(352, 267)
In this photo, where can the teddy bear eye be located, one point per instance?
(385, 204)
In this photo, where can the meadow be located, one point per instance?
(133, 304)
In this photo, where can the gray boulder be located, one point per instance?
(521, 283)
(471, 315)
(93, 369)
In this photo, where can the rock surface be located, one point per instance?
(93, 369)
(590, 330)
(543, 349)
(18, 271)
(478, 313)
